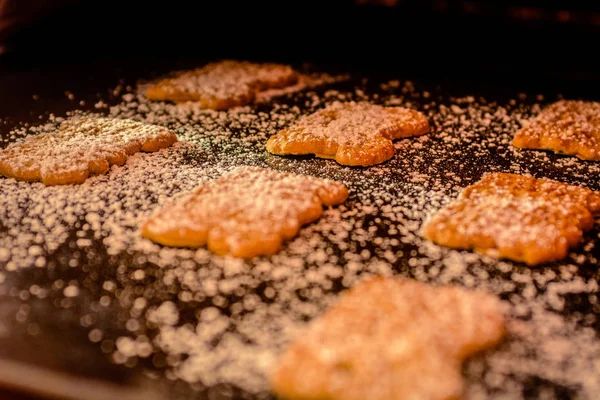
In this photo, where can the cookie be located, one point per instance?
(566, 127)
(390, 339)
(80, 148)
(223, 85)
(516, 217)
(247, 212)
(355, 134)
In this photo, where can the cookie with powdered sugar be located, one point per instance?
(247, 212)
(565, 127)
(516, 217)
(355, 134)
(390, 339)
(222, 85)
(80, 147)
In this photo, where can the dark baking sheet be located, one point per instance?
(60, 360)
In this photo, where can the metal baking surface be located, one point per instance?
(45, 347)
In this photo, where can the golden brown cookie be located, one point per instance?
(80, 148)
(567, 127)
(247, 212)
(224, 84)
(351, 133)
(390, 339)
(516, 217)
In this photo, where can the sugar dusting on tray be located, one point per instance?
(208, 320)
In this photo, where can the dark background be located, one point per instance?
(498, 43)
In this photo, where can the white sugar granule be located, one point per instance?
(207, 320)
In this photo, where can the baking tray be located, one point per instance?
(46, 344)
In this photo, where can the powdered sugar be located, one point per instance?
(226, 319)
(517, 217)
(567, 126)
(80, 147)
(247, 212)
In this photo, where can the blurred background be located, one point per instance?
(501, 41)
